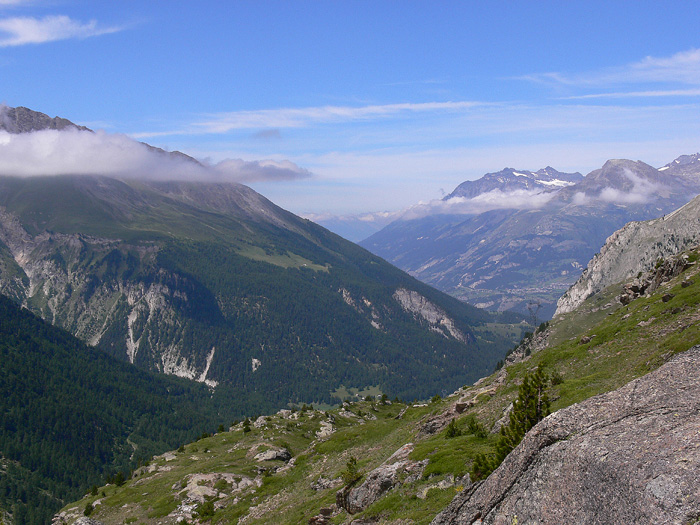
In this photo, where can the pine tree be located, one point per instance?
(531, 407)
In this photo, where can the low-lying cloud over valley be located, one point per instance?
(77, 152)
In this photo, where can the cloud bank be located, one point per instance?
(491, 200)
(74, 152)
(642, 191)
(18, 31)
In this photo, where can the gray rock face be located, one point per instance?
(24, 120)
(419, 306)
(281, 454)
(628, 456)
(635, 248)
(381, 480)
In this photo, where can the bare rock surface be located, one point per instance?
(628, 456)
(381, 480)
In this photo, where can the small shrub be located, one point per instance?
(452, 430)
(351, 474)
(435, 398)
(475, 427)
(88, 509)
(531, 406)
(205, 510)
(221, 485)
(119, 479)
(220, 429)
(557, 378)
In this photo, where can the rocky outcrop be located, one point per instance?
(274, 454)
(628, 456)
(381, 480)
(649, 282)
(637, 247)
(421, 307)
(105, 291)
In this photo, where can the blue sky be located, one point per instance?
(366, 106)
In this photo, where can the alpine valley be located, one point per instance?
(517, 239)
(174, 351)
(254, 308)
(618, 371)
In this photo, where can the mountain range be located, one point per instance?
(518, 239)
(214, 283)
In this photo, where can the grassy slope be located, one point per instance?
(629, 342)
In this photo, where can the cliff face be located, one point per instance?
(101, 289)
(629, 456)
(635, 248)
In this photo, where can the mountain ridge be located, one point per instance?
(524, 259)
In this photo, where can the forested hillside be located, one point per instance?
(72, 415)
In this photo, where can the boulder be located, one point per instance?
(281, 454)
(326, 483)
(628, 456)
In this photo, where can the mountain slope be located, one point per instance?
(611, 459)
(409, 464)
(204, 280)
(518, 258)
(212, 282)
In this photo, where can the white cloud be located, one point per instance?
(262, 170)
(19, 31)
(640, 94)
(492, 200)
(641, 192)
(74, 152)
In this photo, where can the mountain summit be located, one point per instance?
(25, 120)
(509, 180)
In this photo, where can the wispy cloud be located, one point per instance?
(680, 68)
(260, 170)
(18, 31)
(638, 94)
(4, 3)
(303, 117)
(492, 200)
